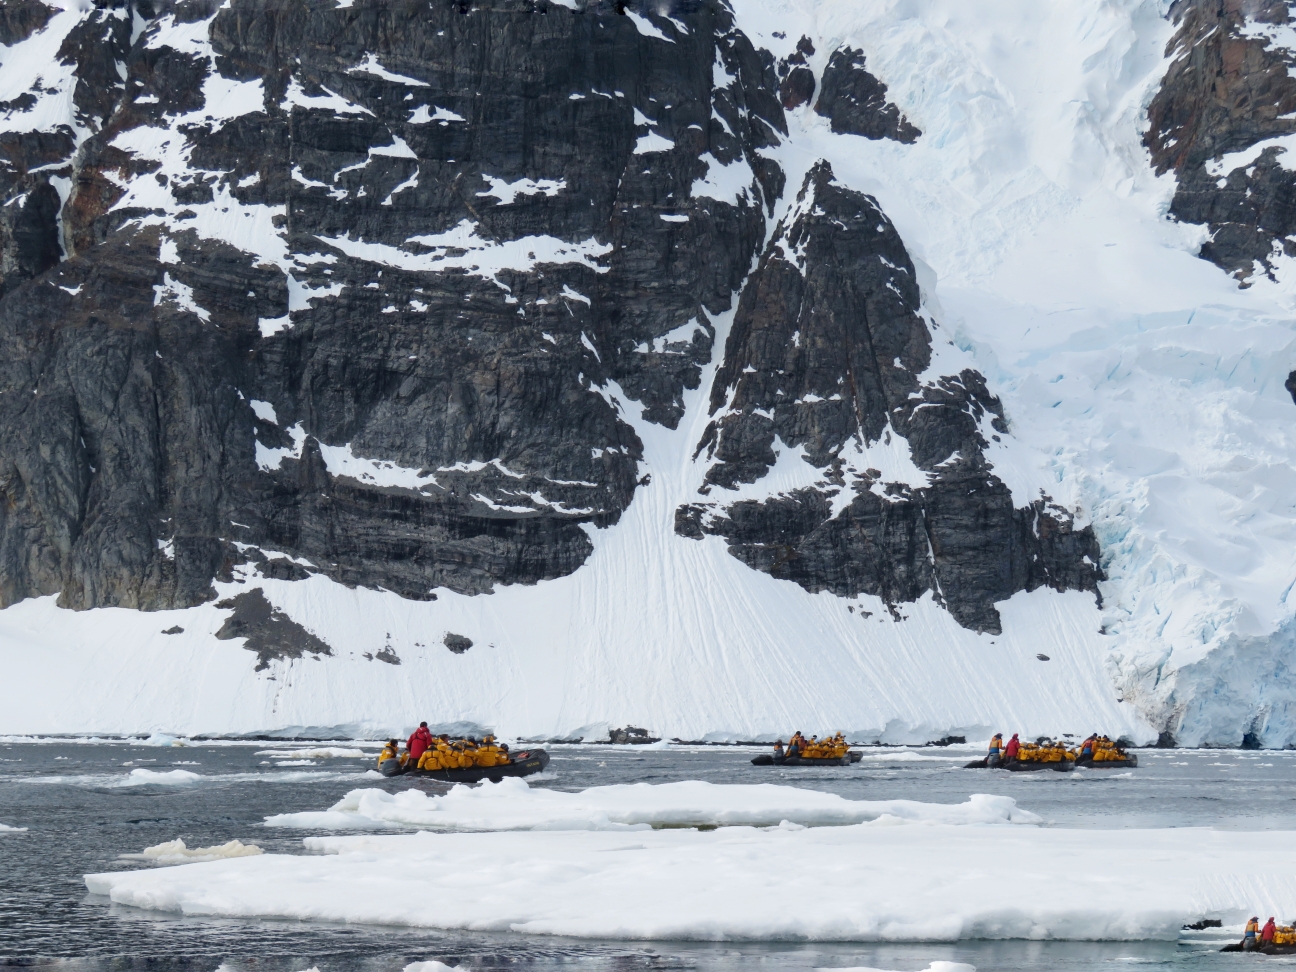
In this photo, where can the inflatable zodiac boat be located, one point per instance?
(1021, 765)
(768, 760)
(524, 763)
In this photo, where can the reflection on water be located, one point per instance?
(83, 808)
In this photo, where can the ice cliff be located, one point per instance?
(725, 367)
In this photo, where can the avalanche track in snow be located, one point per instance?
(779, 364)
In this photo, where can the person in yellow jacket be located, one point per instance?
(1250, 932)
(389, 751)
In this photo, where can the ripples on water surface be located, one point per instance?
(83, 804)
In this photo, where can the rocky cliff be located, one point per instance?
(335, 288)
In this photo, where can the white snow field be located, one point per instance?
(886, 880)
(513, 805)
(1143, 388)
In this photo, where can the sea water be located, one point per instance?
(86, 803)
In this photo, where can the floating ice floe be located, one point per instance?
(176, 777)
(6, 829)
(867, 882)
(513, 805)
(174, 852)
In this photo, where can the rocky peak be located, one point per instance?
(1218, 122)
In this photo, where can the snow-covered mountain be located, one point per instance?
(910, 368)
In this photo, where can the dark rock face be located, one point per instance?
(827, 345)
(796, 80)
(269, 632)
(1229, 89)
(855, 102)
(419, 249)
(302, 289)
(457, 643)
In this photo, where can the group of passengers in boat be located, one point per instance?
(1271, 934)
(1095, 747)
(425, 751)
(830, 747)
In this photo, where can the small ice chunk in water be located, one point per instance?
(6, 829)
(175, 852)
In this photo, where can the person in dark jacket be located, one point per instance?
(419, 741)
(778, 749)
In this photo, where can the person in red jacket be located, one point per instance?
(1267, 932)
(1010, 751)
(419, 742)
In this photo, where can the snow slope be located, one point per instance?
(883, 881)
(1144, 390)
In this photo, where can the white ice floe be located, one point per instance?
(144, 777)
(513, 805)
(175, 852)
(6, 829)
(866, 882)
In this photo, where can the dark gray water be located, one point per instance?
(82, 809)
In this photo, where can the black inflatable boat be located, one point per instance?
(1020, 766)
(768, 760)
(1270, 949)
(524, 763)
(1129, 761)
